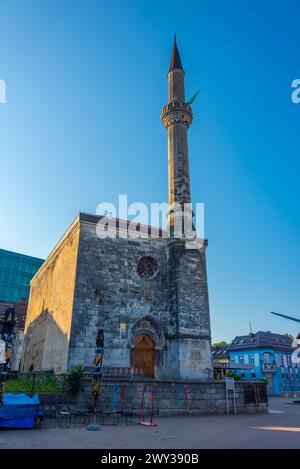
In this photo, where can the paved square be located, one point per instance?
(278, 429)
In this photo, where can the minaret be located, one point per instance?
(188, 291)
(177, 116)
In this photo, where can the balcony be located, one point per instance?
(268, 368)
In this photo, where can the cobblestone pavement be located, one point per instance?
(278, 429)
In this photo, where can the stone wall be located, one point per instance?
(49, 315)
(56, 402)
(169, 397)
(109, 292)
(173, 306)
(174, 397)
(189, 299)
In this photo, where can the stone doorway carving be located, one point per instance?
(143, 355)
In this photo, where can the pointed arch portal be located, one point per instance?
(147, 343)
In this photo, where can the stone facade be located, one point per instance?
(49, 314)
(107, 292)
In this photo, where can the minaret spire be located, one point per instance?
(176, 117)
(175, 58)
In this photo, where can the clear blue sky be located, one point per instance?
(86, 81)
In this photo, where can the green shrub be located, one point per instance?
(17, 386)
(236, 377)
(72, 381)
(217, 374)
(49, 384)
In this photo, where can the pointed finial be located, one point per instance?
(175, 59)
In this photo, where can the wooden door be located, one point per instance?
(144, 355)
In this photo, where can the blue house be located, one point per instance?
(271, 356)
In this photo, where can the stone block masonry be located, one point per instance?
(89, 283)
(49, 315)
(175, 397)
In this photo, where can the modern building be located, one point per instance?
(16, 272)
(271, 357)
(148, 295)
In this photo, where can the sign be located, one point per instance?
(229, 384)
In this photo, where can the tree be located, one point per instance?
(289, 335)
(72, 380)
(220, 344)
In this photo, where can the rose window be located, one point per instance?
(147, 267)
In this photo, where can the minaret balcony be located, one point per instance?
(176, 112)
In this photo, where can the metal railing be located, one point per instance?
(255, 393)
(269, 367)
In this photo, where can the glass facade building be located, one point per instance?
(16, 271)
